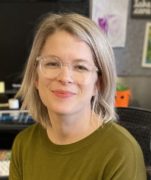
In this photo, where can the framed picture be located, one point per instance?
(146, 62)
(141, 9)
(111, 17)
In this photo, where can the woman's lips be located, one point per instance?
(63, 94)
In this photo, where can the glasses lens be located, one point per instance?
(83, 71)
(50, 67)
(82, 78)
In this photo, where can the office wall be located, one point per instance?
(129, 60)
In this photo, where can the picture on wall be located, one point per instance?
(141, 9)
(146, 62)
(111, 17)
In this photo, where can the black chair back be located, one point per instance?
(138, 122)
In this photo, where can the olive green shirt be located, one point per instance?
(109, 153)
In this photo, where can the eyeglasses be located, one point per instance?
(80, 70)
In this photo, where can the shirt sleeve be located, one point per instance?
(15, 162)
(127, 163)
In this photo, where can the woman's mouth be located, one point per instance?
(63, 94)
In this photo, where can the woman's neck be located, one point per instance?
(67, 130)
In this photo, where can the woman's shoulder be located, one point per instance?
(29, 130)
(121, 132)
(121, 137)
(123, 152)
(26, 135)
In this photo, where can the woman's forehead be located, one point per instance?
(66, 46)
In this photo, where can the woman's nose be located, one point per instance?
(65, 74)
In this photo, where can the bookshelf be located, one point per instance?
(11, 123)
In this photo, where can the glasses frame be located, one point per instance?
(40, 59)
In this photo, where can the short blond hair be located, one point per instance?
(87, 31)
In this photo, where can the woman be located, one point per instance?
(69, 89)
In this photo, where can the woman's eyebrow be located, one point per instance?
(77, 60)
(82, 60)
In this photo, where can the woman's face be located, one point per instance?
(64, 93)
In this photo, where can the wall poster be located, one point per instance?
(111, 16)
(146, 62)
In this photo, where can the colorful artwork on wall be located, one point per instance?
(111, 16)
(146, 62)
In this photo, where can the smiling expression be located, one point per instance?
(62, 94)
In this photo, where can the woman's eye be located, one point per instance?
(52, 64)
(81, 68)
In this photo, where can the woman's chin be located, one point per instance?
(63, 110)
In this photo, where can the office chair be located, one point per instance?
(138, 122)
